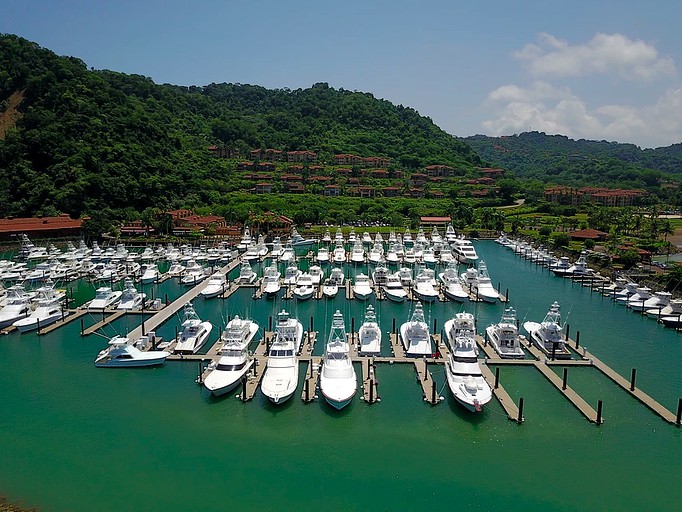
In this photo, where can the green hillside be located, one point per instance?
(85, 141)
(558, 159)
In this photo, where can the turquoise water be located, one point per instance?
(77, 438)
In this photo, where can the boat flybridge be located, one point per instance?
(131, 299)
(281, 374)
(215, 286)
(105, 297)
(48, 309)
(338, 382)
(464, 250)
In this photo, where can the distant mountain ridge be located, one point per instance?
(557, 158)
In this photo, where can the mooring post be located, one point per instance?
(82, 328)
(311, 325)
(243, 389)
(497, 377)
(568, 329)
(633, 378)
(599, 410)
(38, 324)
(255, 368)
(433, 391)
(352, 325)
(371, 391)
(167, 300)
(393, 328)
(678, 421)
(176, 332)
(553, 349)
(426, 370)
(577, 339)
(507, 296)
(519, 419)
(563, 386)
(200, 373)
(307, 390)
(270, 323)
(435, 325)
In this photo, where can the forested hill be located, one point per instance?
(78, 140)
(558, 159)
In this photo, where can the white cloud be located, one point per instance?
(603, 54)
(556, 110)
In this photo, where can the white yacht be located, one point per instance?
(251, 251)
(393, 288)
(48, 309)
(246, 273)
(291, 274)
(246, 239)
(504, 335)
(479, 283)
(130, 298)
(281, 374)
(429, 255)
(271, 284)
(289, 254)
(392, 257)
(317, 274)
(337, 275)
(656, 302)
(327, 237)
(369, 334)
(277, 248)
(322, 255)
(330, 288)
(452, 286)
(105, 297)
(462, 369)
(357, 254)
(176, 270)
(215, 286)
(405, 274)
(194, 273)
(380, 274)
(362, 289)
(376, 253)
(339, 254)
(547, 335)
(149, 273)
(194, 332)
(304, 288)
(124, 353)
(298, 241)
(235, 360)
(673, 307)
(464, 250)
(338, 383)
(642, 294)
(423, 287)
(17, 305)
(415, 335)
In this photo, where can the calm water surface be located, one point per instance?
(77, 438)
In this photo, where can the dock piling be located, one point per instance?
(435, 325)
(433, 391)
(599, 410)
(563, 385)
(633, 379)
(371, 391)
(200, 380)
(82, 327)
(577, 339)
(678, 421)
(270, 323)
(497, 377)
(243, 389)
(520, 418)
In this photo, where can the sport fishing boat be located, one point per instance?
(504, 335)
(215, 286)
(362, 289)
(462, 369)
(246, 273)
(452, 287)
(330, 287)
(48, 309)
(17, 305)
(339, 254)
(548, 335)
(338, 382)
(415, 335)
(235, 360)
(131, 299)
(304, 288)
(125, 353)
(281, 374)
(479, 282)
(322, 255)
(105, 297)
(393, 288)
(149, 273)
(194, 332)
(369, 333)
(271, 284)
(423, 287)
(464, 250)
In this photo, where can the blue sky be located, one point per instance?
(604, 70)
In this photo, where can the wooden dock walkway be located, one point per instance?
(370, 383)
(163, 315)
(501, 394)
(108, 316)
(73, 315)
(310, 383)
(428, 385)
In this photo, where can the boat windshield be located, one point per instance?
(461, 359)
(282, 353)
(231, 367)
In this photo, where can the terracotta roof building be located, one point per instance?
(63, 225)
(588, 234)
